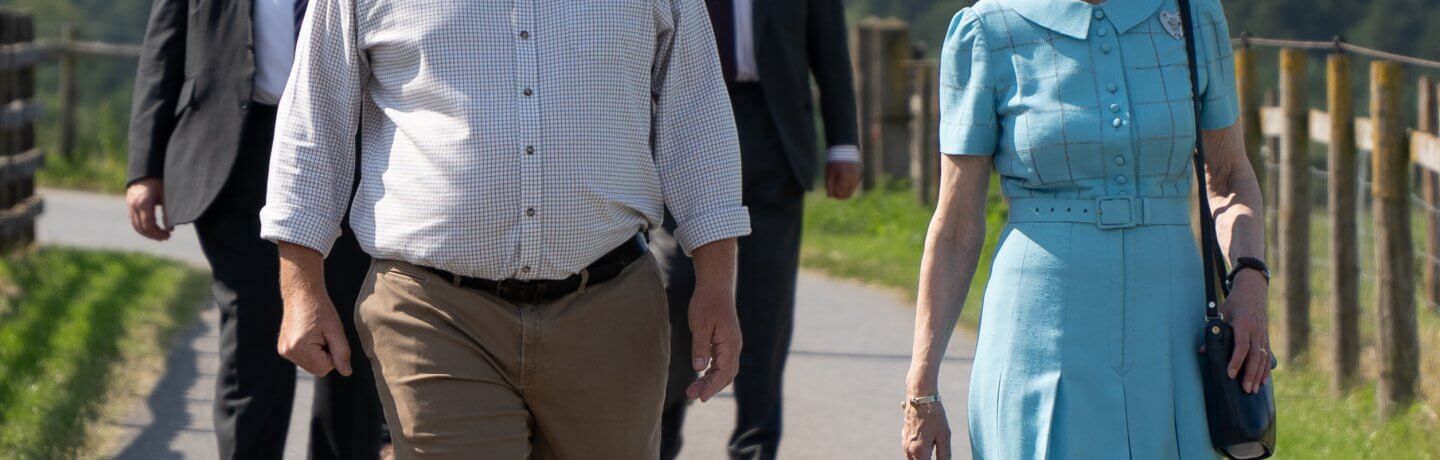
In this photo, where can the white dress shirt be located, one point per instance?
(274, 22)
(747, 71)
(520, 139)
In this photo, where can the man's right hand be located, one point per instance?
(142, 198)
(310, 334)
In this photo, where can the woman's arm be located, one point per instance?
(952, 251)
(1234, 194)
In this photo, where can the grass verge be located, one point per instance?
(879, 237)
(75, 325)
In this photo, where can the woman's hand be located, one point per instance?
(1245, 311)
(926, 432)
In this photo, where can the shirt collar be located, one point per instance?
(1073, 17)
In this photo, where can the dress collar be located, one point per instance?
(1073, 17)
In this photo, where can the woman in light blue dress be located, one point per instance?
(1095, 306)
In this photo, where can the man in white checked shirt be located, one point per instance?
(513, 153)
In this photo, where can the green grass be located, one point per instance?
(879, 236)
(74, 323)
(100, 172)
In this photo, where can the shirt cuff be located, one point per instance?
(712, 226)
(291, 224)
(843, 154)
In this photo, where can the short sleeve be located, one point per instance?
(1220, 107)
(968, 124)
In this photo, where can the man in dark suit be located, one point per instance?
(769, 50)
(210, 75)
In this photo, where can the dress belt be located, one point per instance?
(1106, 213)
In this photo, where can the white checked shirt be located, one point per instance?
(517, 139)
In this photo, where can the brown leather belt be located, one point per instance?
(606, 268)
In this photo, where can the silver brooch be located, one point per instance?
(1172, 24)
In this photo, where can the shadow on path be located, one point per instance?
(167, 402)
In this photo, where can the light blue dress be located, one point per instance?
(1094, 311)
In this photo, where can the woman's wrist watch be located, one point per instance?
(1251, 263)
(920, 401)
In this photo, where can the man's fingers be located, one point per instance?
(339, 348)
(700, 348)
(312, 358)
(1238, 355)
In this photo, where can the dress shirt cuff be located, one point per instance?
(843, 154)
(292, 224)
(712, 226)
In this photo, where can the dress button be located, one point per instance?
(530, 212)
(1115, 108)
(1121, 180)
(528, 92)
(1118, 122)
(1102, 32)
(1119, 159)
(529, 150)
(1112, 87)
(1099, 14)
(1105, 47)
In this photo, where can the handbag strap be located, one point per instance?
(1210, 254)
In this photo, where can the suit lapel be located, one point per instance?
(758, 17)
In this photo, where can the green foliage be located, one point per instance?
(76, 315)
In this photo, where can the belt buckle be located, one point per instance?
(520, 291)
(1110, 214)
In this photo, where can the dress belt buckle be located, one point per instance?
(520, 291)
(1117, 212)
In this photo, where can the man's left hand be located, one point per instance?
(714, 327)
(841, 179)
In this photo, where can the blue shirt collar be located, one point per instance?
(1073, 17)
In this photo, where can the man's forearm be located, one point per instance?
(302, 271)
(715, 265)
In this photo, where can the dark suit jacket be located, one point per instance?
(793, 40)
(192, 91)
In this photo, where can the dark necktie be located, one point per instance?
(722, 18)
(300, 6)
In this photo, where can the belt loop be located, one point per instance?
(584, 280)
(455, 279)
(1145, 211)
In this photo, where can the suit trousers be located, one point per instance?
(255, 387)
(765, 296)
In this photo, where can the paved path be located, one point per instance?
(851, 351)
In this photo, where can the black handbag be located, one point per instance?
(1242, 425)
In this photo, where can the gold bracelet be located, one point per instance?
(917, 402)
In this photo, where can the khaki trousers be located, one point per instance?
(465, 374)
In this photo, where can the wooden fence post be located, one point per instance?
(925, 131)
(67, 90)
(1430, 195)
(1271, 184)
(1398, 338)
(885, 128)
(1250, 112)
(1344, 249)
(1295, 203)
(18, 205)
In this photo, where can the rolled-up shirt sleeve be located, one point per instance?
(697, 152)
(312, 162)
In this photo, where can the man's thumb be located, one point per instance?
(339, 349)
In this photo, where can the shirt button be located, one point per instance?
(1121, 180)
(1112, 87)
(1118, 122)
(528, 92)
(1102, 32)
(525, 269)
(530, 212)
(1119, 159)
(1105, 47)
(1099, 14)
(529, 150)
(524, 34)
(1115, 108)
